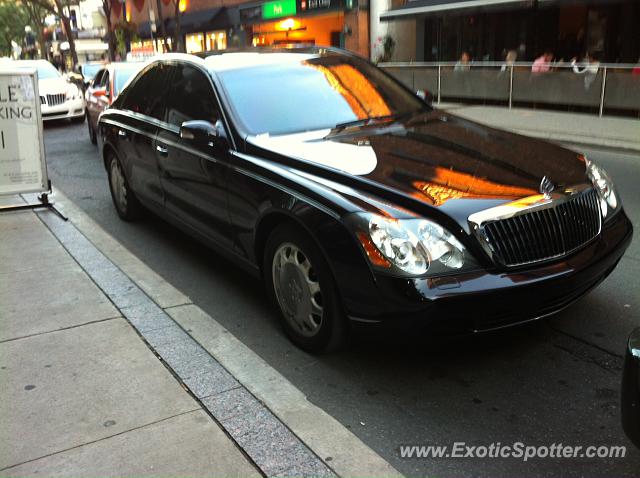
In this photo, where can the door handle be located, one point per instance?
(162, 150)
(122, 133)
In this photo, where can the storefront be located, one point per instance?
(339, 23)
(206, 41)
(202, 30)
(489, 29)
(310, 22)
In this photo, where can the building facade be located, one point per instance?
(207, 25)
(441, 30)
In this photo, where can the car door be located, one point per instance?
(144, 107)
(192, 173)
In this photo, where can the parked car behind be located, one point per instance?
(59, 98)
(358, 203)
(104, 89)
(89, 70)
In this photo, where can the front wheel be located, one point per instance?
(300, 284)
(92, 132)
(124, 199)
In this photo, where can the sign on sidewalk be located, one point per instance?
(22, 162)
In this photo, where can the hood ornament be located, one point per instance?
(546, 187)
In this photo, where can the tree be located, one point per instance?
(179, 6)
(57, 8)
(13, 19)
(111, 37)
(37, 15)
(160, 19)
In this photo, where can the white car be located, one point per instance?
(59, 98)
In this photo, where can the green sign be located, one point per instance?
(279, 8)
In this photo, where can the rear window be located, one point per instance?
(89, 71)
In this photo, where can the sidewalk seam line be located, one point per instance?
(100, 439)
(61, 329)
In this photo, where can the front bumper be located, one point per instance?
(485, 300)
(70, 109)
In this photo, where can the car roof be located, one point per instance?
(244, 58)
(124, 65)
(30, 62)
(234, 61)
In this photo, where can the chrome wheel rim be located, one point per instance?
(118, 186)
(297, 289)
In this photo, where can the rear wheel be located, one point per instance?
(300, 284)
(124, 199)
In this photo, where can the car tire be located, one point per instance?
(300, 284)
(77, 119)
(124, 199)
(92, 133)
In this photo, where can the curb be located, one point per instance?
(586, 139)
(574, 139)
(336, 448)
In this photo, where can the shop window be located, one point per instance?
(194, 43)
(216, 40)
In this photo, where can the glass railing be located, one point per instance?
(603, 88)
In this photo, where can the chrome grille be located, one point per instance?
(42, 100)
(55, 100)
(545, 233)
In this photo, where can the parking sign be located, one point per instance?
(23, 167)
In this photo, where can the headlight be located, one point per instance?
(603, 184)
(410, 247)
(73, 92)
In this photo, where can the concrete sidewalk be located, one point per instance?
(578, 128)
(108, 370)
(82, 394)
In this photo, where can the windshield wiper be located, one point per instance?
(364, 122)
(371, 121)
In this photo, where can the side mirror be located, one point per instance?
(202, 131)
(426, 96)
(630, 395)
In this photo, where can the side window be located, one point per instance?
(104, 81)
(190, 97)
(98, 78)
(146, 95)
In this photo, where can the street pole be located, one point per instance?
(439, 71)
(511, 87)
(602, 92)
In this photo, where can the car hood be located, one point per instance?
(53, 86)
(434, 159)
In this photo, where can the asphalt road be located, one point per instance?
(554, 381)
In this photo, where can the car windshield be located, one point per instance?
(122, 76)
(45, 69)
(89, 70)
(314, 93)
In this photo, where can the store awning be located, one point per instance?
(435, 7)
(200, 21)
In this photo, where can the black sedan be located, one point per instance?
(356, 201)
